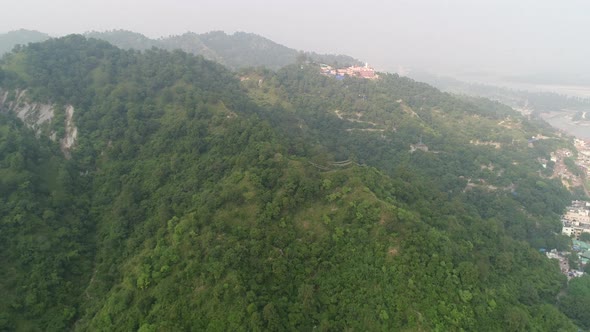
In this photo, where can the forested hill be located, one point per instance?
(238, 50)
(194, 198)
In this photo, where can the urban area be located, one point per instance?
(576, 220)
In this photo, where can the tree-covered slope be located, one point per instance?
(272, 201)
(44, 248)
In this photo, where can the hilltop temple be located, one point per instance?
(352, 71)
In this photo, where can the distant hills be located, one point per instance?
(540, 101)
(235, 51)
(10, 39)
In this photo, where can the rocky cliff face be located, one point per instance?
(71, 132)
(41, 117)
(35, 115)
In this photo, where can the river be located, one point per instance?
(563, 121)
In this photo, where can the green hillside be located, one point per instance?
(196, 198)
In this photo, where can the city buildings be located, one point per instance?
(576, 220)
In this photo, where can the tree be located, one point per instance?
(301, 58)
(585, 237)
(573, 261)
(576, 302)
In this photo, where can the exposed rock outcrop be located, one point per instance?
(40, 116)
(71, 132)
(35, 115)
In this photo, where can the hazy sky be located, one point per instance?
(467, 36)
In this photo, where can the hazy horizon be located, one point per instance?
(527, 40)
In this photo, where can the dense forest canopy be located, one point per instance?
(196, 198)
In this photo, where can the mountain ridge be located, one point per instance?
(238, 50)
